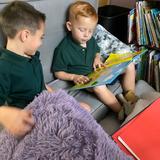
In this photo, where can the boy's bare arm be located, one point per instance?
(77, 79)
(17, 121)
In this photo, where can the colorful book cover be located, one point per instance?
(132, 26)
(113, 68)
(146, 22)
(150, 66)
(154, 13)
(151, 43)
(158, 20)
(138, 24)
(153, 30)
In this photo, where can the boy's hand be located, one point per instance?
(80, 79)
(17, 121)
(97, 62)
(49, 89)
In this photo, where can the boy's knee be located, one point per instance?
(130, 67)
(99, 89)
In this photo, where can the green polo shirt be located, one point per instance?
(70, 57)
(21, 78)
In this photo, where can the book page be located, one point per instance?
(114, 66)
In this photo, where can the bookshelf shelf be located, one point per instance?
(144, 24)
(144, 30)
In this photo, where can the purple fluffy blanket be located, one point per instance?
(63, 131)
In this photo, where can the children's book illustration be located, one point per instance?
(114, 66)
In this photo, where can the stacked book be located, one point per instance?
(144, 24)
(149, 68)
(153, 76)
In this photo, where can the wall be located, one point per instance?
(103, 2)
(124, 3)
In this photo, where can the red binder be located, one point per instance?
(140, 137)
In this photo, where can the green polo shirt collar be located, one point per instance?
(18, 59)
(75, 44)
(9, 55)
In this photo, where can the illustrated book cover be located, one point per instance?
(114, 66)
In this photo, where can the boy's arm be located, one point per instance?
(17, 121)
(65, 76)
(77, 79)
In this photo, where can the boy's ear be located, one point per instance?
(69, 25)
(24, 34)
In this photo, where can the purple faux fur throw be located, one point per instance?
(63, 131)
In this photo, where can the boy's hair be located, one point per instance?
(81, 8)
(20, 15)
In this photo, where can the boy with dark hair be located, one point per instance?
(21, 77)
(78, 54)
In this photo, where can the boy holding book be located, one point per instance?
(78, 54)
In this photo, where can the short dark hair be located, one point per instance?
(19, 15)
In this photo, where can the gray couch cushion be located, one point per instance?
(99, 110)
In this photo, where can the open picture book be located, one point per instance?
(115, 64)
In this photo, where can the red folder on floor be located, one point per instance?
(140, 137)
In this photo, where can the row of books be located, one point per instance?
(144, 24)
(149, 68)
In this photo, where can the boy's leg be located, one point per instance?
(128, 83)
(107, 97)
(85, 106)
(128, 79)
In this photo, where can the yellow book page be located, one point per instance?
(114, 59)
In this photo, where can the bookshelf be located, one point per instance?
(144, 30)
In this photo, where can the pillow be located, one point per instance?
(109, 43)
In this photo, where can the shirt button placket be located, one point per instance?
(83, 52)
